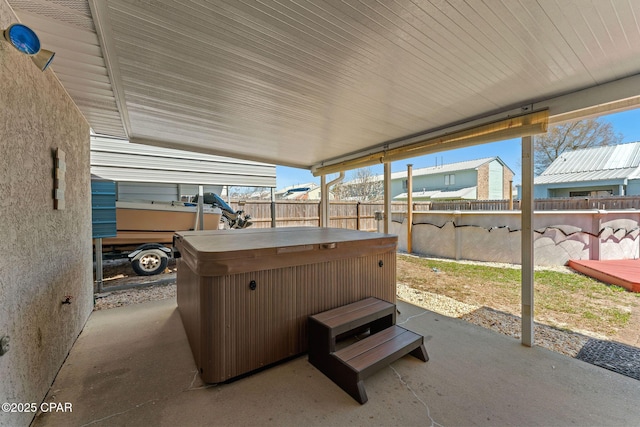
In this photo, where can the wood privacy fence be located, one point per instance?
(581, 203)
(361, 215)
(556, 204)
(351, 215)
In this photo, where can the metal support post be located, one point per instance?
(409, 207)
(99, 273)
(527, 242)
(200, 213)
(387, 198)
(273, 207)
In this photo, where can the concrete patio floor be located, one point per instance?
(133, 366)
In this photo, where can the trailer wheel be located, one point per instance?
(149, 262)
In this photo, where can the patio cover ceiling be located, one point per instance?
(310, 83)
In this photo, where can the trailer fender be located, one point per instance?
(141, 248)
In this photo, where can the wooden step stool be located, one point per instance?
(349, 366)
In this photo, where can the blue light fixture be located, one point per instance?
(25, 40)
(22, 38)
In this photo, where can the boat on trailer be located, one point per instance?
(148, 221)
(145, 229)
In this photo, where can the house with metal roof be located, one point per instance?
(591, 172)
(306, 191)
(488, 178)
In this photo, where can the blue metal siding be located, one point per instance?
(539, 192)
(633, 187)
(103, 208)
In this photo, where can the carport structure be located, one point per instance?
(332, 85)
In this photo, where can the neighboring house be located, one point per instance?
(591, 172)
(144, 172)
(308, 191)
(259, 194)
(316, 193)
(482, 179)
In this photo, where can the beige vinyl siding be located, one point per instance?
(122, 161)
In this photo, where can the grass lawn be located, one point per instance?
(564, 300)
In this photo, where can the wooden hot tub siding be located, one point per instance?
(234, 330)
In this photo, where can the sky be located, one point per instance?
(627, 123)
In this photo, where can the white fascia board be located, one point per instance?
(615, 96)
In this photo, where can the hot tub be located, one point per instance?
(245, 295)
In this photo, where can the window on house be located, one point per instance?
(595, 193)
(404, 184)
(579, 193)
(449, 179)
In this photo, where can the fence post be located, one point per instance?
(99, 270)
(358, 216)
(273, 208)
(409, 208)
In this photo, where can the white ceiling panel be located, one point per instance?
(298, 82)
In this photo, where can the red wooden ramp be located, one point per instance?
(621, 272)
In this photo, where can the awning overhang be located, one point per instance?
(511, 127)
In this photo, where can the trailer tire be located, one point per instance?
(150, 262)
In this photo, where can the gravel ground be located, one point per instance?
(564, 342)
(115, 299)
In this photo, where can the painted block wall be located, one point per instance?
(495, 236)
(46, 253)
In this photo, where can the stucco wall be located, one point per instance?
(46, 253)
(495, 236)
